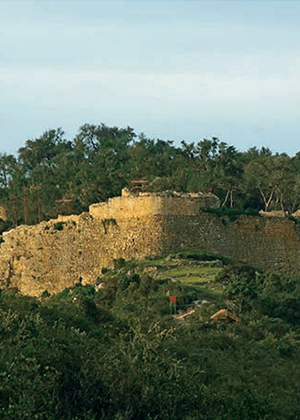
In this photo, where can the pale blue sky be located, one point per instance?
(172, 69)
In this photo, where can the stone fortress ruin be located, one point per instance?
(59, 253)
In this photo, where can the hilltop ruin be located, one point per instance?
(70, 249)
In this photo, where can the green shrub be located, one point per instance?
(5, 225)
(135, 278)
(59, 225)
(45, 294)
(123, 283)
(201, 255)
(119, 263)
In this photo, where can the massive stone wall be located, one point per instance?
(272, 243)
(59, 253)
(62, 252)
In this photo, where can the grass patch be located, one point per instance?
(187, 274)
(210, 295)
(193, 267)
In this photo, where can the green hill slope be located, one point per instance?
(116, 351)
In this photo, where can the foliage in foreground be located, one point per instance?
(118, 353)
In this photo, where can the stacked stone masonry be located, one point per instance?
(61, 252)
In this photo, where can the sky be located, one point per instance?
(175, 70)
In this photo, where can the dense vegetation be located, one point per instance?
(52, 175)
(118, 353)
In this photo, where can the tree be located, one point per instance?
(273, 177)
(241, 286)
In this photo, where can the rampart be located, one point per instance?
(61, 252)
(130, 206)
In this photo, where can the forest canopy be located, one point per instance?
(52, 175)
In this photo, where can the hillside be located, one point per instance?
(115, 351)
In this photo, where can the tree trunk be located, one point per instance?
(226, 198)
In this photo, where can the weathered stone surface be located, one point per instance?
(59, 253)
(149, 204)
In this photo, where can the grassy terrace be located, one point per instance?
(195, 269)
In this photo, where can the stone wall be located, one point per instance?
(59, 253)
(62, 252)
(267, 242)
(149, 204)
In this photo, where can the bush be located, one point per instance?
(59, 225)
(5, 225)
(45, 294)
(234, 272)
(119, 263)
(123, 283)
